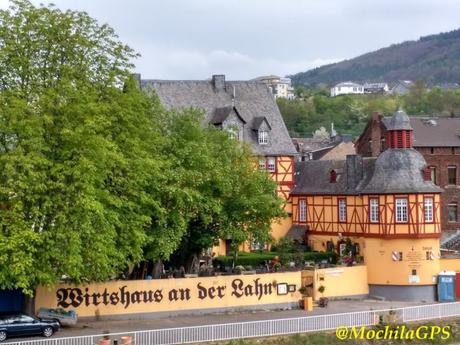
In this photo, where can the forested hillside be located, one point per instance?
(349, 113)
(434, 59)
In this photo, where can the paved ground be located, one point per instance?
(118, 326)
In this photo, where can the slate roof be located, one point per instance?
(394, 171)
(252, 100)
(432, 131)
(436, 132)
(220, 114)
(399, 121)
(348, 84)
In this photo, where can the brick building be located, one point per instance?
(438, 140)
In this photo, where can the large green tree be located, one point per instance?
(229, 198)
(94, 174)
(76, 150)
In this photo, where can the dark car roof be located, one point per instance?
(4, 315)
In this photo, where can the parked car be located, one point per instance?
(18, 325)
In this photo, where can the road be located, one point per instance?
(130, 325)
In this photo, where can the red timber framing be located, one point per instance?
(323, 216)
(284, 175)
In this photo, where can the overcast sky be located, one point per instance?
(193, 39)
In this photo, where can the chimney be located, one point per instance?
(218, 81)
(375, 116)
(354, 170)
(427, 174)
(333, 176)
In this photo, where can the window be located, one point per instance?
(262, 164)
(452, 175)
(433, 174)
(271, 164)
(432, 150)
(342, 210)
(428, 210)
(256, 245)
(452, 212)
(401, 210)
(234, 133)
(263, 137)
(374, 210)
(302, 210)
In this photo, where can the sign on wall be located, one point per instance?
(147, 296)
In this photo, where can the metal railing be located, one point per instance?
(222, 332)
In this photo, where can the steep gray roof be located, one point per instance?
(394, 171)
(313, 177)
(399, 121)
(400, 171)
(252, 99)
(220, 114)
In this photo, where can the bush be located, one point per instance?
(258, 259)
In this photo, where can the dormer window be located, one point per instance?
(234, 132)
(261, 126)
(263, 137)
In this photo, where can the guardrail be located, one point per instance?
(222, 332)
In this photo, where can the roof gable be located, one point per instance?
(222, 113)
(259, 121)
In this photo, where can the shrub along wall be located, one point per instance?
(258, 259)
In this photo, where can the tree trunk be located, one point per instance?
(192, 264)
(157, 269)
(29, 304)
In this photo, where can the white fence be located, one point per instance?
(220, 332)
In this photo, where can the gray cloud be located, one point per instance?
(192, 39)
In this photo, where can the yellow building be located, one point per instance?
(385, 209)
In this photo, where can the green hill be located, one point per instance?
(434, 59)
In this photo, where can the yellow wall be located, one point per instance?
(383, 270)
(338, 281)
(450, 264)
(164, 295)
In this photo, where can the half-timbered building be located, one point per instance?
(387, 206)
(248, 111)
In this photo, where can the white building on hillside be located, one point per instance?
(279, 87)
(347, 88)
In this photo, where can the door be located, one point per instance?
(228, 247)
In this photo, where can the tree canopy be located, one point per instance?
(94, 174)
(313, 109)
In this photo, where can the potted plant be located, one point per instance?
(323, 301)
(307, 301)
(239, 269)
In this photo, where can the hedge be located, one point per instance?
(258, 259)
